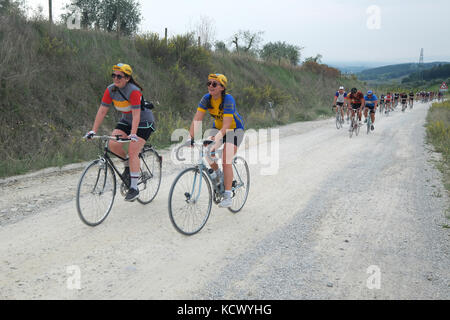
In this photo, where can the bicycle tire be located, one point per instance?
(181, 189)
(357, 128)
(338, 120)
(240, 194)
(151, 174)
(369, 122)
(92, 184)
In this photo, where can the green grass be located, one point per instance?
(438, 134)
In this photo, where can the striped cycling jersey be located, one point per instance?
(132, 102)
(341, 97)
(208, 103)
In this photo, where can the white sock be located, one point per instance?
(134, 180)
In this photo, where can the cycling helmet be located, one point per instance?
(354, 90)
(341, 88)
(125, 68)
(370, 92)
(219, 77)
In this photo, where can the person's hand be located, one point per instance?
(89, 135)
(133, 137)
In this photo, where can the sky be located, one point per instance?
(342, 31)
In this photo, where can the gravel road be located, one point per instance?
(360, 218)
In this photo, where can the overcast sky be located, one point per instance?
(341, 30)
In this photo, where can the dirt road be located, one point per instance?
(341, 218)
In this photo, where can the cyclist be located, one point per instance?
(388, 104)
(396, 97)
(136, 123)
(404, 100)
(411, 98)
(372, 104)
(339, 100)
(382, 102)
(356, 101)
(228, 129)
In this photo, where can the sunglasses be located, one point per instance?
(118, 76)
(212, 83)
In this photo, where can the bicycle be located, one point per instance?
(404, 106)
(339, 119)
(381, 107)
(369, 120)
(354, 125)
(97, 185)
(189, 207)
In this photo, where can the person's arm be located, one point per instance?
(196, 123)
(101, 113)
(136, 113)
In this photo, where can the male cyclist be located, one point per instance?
(411, 98)
(404, 98)
(388, 104)
(339, 101)
(356, 101)
(371, 103)
(396, 97)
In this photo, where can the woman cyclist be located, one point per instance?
(136, 123)
(228, 129)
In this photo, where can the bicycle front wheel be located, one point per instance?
(338, 121)
(190, 201)
(150, 180)
(96, 192)
(241, 184)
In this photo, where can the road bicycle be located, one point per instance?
(411, 103)
(404, 106)
(381, 107)
(354, 124)
(97, 185)
(193, 190)
(339, 119)
(369, 120)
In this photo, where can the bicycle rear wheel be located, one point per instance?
(150, 180)
(241, 184)
(190, 201)
(96, 192)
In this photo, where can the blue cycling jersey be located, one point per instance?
(370, 102)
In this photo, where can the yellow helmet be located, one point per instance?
(125, 68)
(219, 77)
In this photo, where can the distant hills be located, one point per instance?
(440, 72)
(394, 72)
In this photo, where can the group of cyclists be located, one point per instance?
(359, 103)
(426, 96)
(138, 123)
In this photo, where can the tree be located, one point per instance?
(221, 47)
(12, 7)
(316, 59)
(206, 30)
(121, 16)
(247, 41)
(278, 51)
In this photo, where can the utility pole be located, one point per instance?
(421, 64)
(50, 14)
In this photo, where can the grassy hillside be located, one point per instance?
(393, 72)
(52, 80)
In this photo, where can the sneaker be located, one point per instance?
(132, 195)
(372, 127)
(226, 203)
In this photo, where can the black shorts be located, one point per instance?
(340, 104)
(144, 131)
(372, 108)
(235, 137)
(356, 106)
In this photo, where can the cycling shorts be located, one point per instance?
(235, 137)
(340, 104)
(144, 130)
(356, 106)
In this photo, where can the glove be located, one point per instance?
(89, 135)
(133, 137)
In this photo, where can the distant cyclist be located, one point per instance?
(396, 97)
(404, 100)
(411, 99)
(356, 101)
(340, 100)
(371, 104)
(388, 103)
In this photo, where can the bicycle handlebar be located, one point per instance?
(115, 138)
(203, 143)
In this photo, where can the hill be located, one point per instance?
(52, 80)
(438, 73)
(393, 72)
